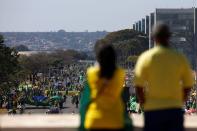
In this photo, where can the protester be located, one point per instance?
(190, 105)
(105, 110)
(76, 99)
(163, 79)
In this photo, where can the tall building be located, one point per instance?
(143, 29)
(151, 24)
(147, 26)
(134, 27)
(140, 26)
(183, 25)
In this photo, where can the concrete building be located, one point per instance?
(151, 24)
(143, 28)
(147, 26)
(134, 27)
(183, 25)
(140, 26)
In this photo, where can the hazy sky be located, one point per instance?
(78, 15)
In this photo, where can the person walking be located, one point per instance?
(105, 110)
(163, 79)
(77, 101)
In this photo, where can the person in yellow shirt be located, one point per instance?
(105, 111)
(163, 79)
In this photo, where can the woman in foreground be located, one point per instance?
(105, 110)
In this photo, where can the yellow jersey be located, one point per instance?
(106, 111)
(164, 73)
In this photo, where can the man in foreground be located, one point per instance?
(163, 79)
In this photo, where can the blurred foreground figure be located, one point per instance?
(102, 107)
(163, 79)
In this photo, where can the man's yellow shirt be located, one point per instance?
(164, 73)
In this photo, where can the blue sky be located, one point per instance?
(79, 15)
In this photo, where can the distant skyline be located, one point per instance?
(78, 15)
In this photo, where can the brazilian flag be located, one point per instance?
(84, 103)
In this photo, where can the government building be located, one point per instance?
(183, 25)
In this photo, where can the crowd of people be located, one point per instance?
(190, 105)
(51, 91)
(63, 83)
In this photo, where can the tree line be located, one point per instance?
(129, 44)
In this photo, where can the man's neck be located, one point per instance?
(164, 44)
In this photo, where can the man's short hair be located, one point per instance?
(161, 31)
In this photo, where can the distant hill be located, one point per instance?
(48, 41)
(21, 48)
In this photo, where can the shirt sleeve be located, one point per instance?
(140, 72)
(187, 76)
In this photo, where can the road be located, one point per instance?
(68, 108)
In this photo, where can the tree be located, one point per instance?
(33, 64)
(127, 43)
(9, 65)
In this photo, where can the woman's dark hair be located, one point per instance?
(106, 57)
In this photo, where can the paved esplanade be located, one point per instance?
(65, 122)
(68, 108)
